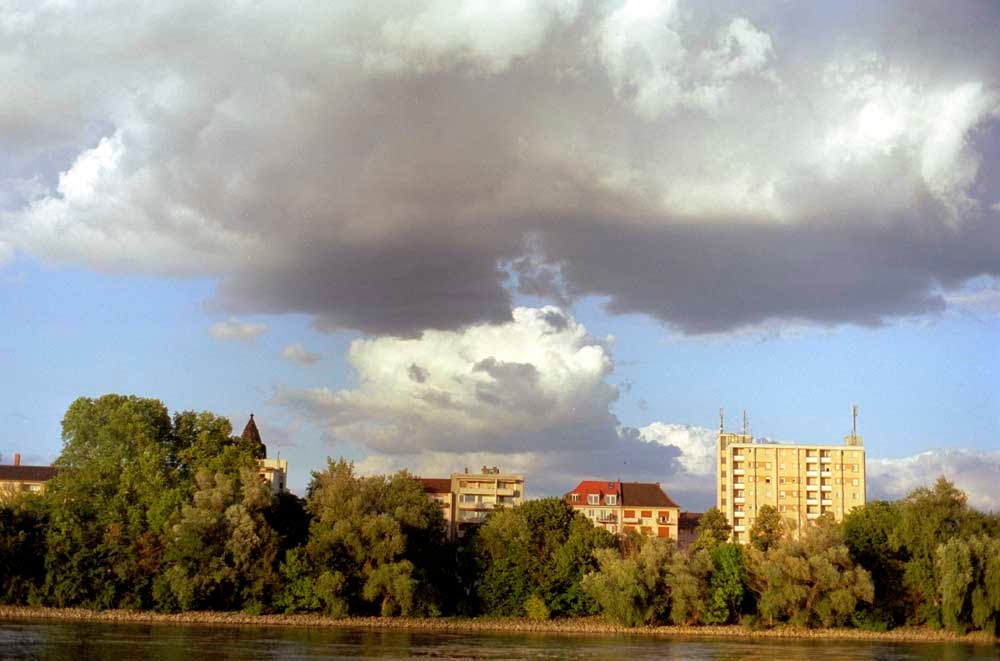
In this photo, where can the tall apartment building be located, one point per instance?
(802, 482)
(468, 498)
(620, 506)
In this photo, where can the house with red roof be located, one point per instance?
(621, 506)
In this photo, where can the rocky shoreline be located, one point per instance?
(595, 626)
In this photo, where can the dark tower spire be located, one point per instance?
(252, 435)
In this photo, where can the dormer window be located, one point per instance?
(593, 499)
(611, 499)
(574, 497)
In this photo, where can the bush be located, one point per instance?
(535, 608)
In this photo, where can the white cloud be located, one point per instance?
(698, 445)
(238, 331)
(485, 387)
(976, 472)
(642, 46)
(434, 33)
(332, 160)
(296, 353)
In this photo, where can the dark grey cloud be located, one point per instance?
(387, 167)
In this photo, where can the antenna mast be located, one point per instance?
(722, 421)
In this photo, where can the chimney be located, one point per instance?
(17, 458)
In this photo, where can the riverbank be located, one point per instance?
(596, 626)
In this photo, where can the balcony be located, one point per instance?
(812, 515)
(739, 500)
(739, 485)
(812, 473)
(826, 487)
(812, 487)
(812, 501)
(739, 528)
(739, 471)
(826, 502)
(812, 460)
(607, 518)
(739, 515)
(826, 460)
(737, 457)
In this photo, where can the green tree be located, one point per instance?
(930, 517)
(541, 549)
(712, 530)
(809, 582)
(373, 540)
(110, 503)
(23, 522)
(868, 532)
(222, 553)
(635, 589)
(768, 528)
(969, 575)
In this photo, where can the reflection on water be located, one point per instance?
(81, 641)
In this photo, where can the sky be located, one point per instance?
(554, 237)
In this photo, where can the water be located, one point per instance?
(88, 640)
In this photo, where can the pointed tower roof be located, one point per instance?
(252, 435)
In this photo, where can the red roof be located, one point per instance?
(591, 487)
(435, 484)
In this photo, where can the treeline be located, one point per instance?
(164, 513)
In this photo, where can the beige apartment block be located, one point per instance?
(802, 482)
(467, 498)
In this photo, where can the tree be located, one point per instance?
(539, 549)
(811, 581)
(868, 532)
(110, 503)
(768, 528)
(969, 574)
(633, 590)
(222, 553)
(712, 530)
(372, 540)
(22, 550)
(929, 518)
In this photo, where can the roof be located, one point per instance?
(251, 434)
(645, 494)
(599, 487)
(435, 484)
(688, 520)
(27, 473)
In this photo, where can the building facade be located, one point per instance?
(470, 497)
(274, 472)
(803, 482)
(622, 506)
(15, 478)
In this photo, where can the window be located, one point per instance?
(781, 466)
(781, 494)
(574, 497)
(854, 495)
(629, 514)
(855, 482)
(611, 499)
(722, 472)
(647, 514)
(781, 508)
(768, 465)
(593, 499)
(854, 468)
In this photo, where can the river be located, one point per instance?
(73, 641)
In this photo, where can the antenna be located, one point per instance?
(745, 427)
(854, 420)
(722, 421)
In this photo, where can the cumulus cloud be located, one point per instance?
(976, 472)
(382, 165)
(531, 396)
(297, 353)
(233, 330)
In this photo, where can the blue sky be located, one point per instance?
(555, 237)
